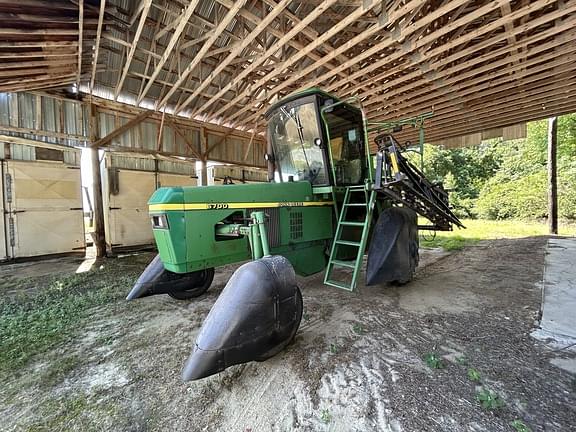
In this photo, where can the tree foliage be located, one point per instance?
(508, 179)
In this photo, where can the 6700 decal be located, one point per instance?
(217, 206)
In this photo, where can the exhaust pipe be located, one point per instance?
(256, 316)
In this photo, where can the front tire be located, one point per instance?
(199, 287)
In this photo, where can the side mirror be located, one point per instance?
(397, 128)
(269, 157)
(318, 142)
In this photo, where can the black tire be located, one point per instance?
(205, 278)
(278, 348)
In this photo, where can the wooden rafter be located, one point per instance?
(180, 25)
(476, 61)
(360, 11)
(389, 41)
(215, 35)
(143, 14)
(406, 77)
(80, 32)
(275, 47)
(236, 51)
(97, 45)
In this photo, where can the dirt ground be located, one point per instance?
(357, 363)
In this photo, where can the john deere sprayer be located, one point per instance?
(328, 202)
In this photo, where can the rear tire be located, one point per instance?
(205, 278)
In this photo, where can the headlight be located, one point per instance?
(160, 222)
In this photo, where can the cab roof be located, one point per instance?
(300, 94)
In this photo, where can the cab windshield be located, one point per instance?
(293, 130)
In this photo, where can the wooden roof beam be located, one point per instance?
(458, 69)
(529, 110)
(297, 56)
(275, 32)
(80, 30)
(236, 51)
(389, 41)
(459, 40)
(508, 82)
(502, 93)
(133, 46)
(461, 53)
(311, 33)
(153, 44)
(97, 45)
(274, 48)
(503, 105)
(183, 20)
(201, 27)
(541, 72)
(197, 59)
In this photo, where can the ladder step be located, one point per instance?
(348, 243)
(355, 205)
(358, 224)
(349, 264)
(338, 284)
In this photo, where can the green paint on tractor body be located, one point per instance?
(185, 222)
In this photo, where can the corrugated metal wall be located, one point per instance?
(66, 122)
(239, 174)
(142, 163)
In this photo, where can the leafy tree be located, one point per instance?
(507, 179)
(519, 188)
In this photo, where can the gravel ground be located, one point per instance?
(357, 362)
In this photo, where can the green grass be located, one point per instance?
(49, 311)
(477, 229)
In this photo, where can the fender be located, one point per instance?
(393, 252)
(256, 316)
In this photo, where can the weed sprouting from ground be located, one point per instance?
(520, 426)
(473, 375)
(48, 314)
(461, 360)
(358, 329)
(433, 361)
(325, 416)
(489, 400)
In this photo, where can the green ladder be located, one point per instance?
(368, 204)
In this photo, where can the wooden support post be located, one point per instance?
(552, 176)
(98, 203)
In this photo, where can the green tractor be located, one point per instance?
(328, 201)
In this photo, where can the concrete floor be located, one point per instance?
(558, 311)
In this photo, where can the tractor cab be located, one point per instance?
(317, 138)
